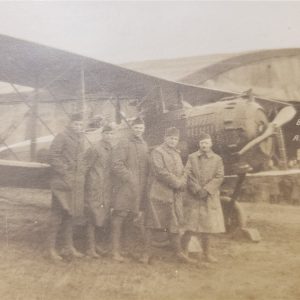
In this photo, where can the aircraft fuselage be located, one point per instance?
(231, 124)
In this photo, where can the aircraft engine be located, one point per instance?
(232, 124)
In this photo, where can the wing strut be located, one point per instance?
(33, 124)
(83, 98)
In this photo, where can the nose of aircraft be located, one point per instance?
(285, 115)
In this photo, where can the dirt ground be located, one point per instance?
(266, 270)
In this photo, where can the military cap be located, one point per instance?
(172, 131)
(204, 136)
(107, 128)
(137, 121)
(76, 117)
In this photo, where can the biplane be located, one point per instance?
(246, 129)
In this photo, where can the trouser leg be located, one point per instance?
(91, 240)
(205, 243)
(55, 223)
(175, 242)
(67, 232)
(117, 224)
(102, 247)
(147, 238)
(185, 242)
(68, 237)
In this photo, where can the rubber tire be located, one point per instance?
(237, 219)
(160, 239)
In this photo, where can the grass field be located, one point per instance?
(268, 270)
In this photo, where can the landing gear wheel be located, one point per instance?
(234, 217)
(160, 239)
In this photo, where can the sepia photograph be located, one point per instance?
(150, 150)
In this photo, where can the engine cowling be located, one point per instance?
(231, 124)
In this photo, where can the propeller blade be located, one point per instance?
(285, 115)
(254, 142)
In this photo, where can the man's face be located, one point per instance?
(138, 130)
(172, 141)
(107, 136)
(77, 126)
(205, 145)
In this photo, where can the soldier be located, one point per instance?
(203, 212)
(66, 157)
(164, 210)
(130, 164)
(98, 187)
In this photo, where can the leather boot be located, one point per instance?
(176, 243)
(91, 247)
(206, 249)
(55, 222)
(117, 223)
(185, 243)
(69, 249)
(145, 258)
(52, 253)
(101, 250)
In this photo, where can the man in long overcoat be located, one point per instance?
(203, 212)
(130, 166)
(66, 157)
(98, 187)
(164, 210)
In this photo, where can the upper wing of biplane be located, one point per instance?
(42, 67)
(62, 73)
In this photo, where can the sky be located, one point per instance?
(120, 32)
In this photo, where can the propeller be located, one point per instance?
(285, 115)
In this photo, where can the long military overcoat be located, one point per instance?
(166, 183)
(98, 183)
(67, 159)
(204, 171)
(130, 167)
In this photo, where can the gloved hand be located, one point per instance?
(203, 194)
(69, 180)
(133, 187)
(182, 184)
